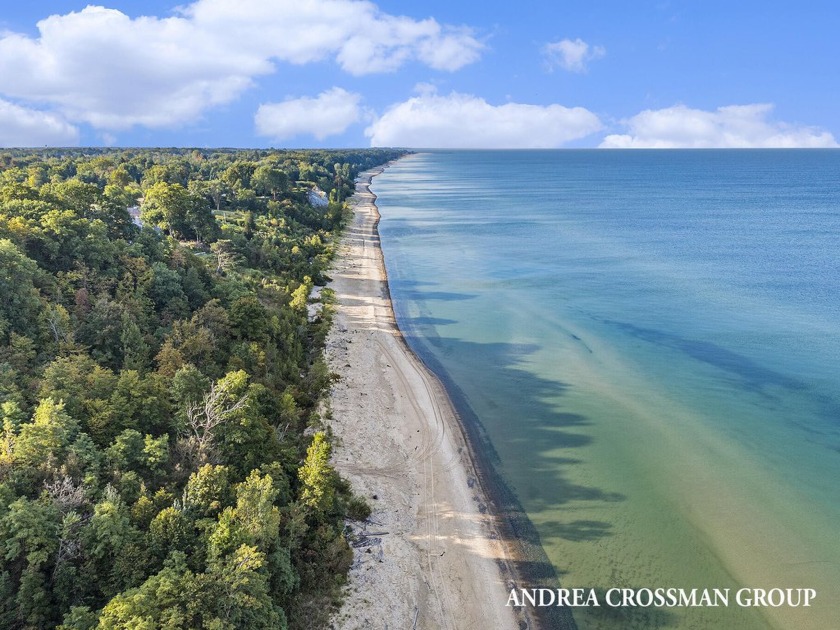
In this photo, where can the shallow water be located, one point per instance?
(650, 340)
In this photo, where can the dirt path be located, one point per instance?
(431, 557)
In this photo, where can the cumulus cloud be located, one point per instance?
(735, 126)
(22, 127)
(362, 38)
(571, 55)
(102, 67)
(469, 122)
(329, 114)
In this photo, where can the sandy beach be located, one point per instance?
(430, 556)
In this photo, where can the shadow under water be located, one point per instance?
(547, 504)
(539, 435)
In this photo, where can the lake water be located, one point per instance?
(650, 341)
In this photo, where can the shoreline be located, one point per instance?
(434, 553)
(616, 451)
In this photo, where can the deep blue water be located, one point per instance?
(651, 340)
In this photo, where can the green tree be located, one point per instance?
(75, 195)
(57, 320)
(126, 452)
(113, 207)
(19, 305)
(207, 491)
(249, 318)
(135, 350)
(342, 181)
(115, 558)
(47, 436)
(300, 296)
(238, 174)
(102, 331)
(171, 599)
(232, 594)
(243, 587)
(84, 387)
(30, 535)
(79, 618)
(188, 386)
(256, 513)
(141, 401)
(171, 530)
(168, 206)
(316, 475)
(269, 180)
(215, 190)
(121, 177)
(12, 418)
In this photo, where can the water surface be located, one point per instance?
(650, 340)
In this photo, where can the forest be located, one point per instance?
(163, 460)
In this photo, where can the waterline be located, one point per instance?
(662, 415)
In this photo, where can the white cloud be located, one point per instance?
(735, 126)
(362, 38)
(22, 127)
(571, 55)
(469, 122)
(329, 114)
(102, 67)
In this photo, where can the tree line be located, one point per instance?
(162, 462)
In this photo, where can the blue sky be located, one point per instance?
(340, 73)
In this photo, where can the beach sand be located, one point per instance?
(430, 556)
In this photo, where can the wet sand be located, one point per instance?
(431, 555)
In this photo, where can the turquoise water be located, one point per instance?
(651, 341)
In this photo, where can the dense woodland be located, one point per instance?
(162, 463)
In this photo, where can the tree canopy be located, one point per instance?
(162, 461)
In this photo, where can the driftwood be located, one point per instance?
(367, 540)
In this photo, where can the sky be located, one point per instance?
(430, 74)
